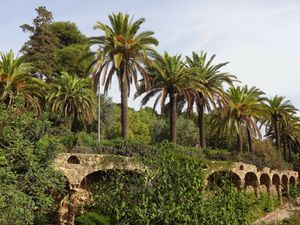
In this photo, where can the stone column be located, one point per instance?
(241, 185)
(268, 188)
(279, 194)
(256, 188)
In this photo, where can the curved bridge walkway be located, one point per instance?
(80, 168)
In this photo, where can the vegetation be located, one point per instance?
(122, 51)
(30, 187)
(48, 104)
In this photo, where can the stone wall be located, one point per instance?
(77, 167)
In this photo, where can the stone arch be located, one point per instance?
(217, 177)
(292, 181)
(265, 180)
(101, 175)
(285, 181)
(251, 179)
(276, 180)
(73, 159)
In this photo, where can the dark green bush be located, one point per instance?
(92, 218)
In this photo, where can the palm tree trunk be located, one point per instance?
(74, 124)
(201, 126)
(124, 104)
(290, 152)
(240, 141)
(277, 135)
(284, 149)
(249, 139)
(172, 111)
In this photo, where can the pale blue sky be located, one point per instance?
(260, 38)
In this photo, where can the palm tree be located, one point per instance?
(168, 79)
(290, 135)
(74, 98)
(210, 91)
(243, 107)
(15, 79)
(122, 51)
(278, 110)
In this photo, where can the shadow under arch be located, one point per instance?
(219, 177)
(276, 180)
(265, 180)
(251, 179)
(73, 159)
(285, 183)
(292, 181)
(101, 176)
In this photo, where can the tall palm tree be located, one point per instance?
(243, 107)
(15, 79)
(74, 98)
(122, 51)
(168, 79)
(278, 110)
(210, 89)
(290, 135)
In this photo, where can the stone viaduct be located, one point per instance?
(80, 168)
(247, 176)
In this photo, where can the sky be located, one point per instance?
(259, 38)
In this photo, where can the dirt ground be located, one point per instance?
(280, 214)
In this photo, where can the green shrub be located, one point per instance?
(92, 218)
(267, 202)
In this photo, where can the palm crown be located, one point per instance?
(74, 98)
(210, 90)
(122, 51)
(169, 78)
(15, 79)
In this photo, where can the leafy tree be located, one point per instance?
(15, 79)
(107, 117)
(72, 51)
(122, 51)
(41, 46)
(210, 91)
(140, 124)
(30, 188)
(16, 207)
(187, 131)
(73, 98)
(168, 79)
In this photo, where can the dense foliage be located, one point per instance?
(30, 188)
(172, 191)
(49, 101)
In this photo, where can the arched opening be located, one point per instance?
(285, 181)
(276, 180)
(265, 180)
(251, 180)
(105, 176)
(292, 181)
(73, 160)
(219, 177)
(241, 167)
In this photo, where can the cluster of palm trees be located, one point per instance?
(176, 83)
(67, 95)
